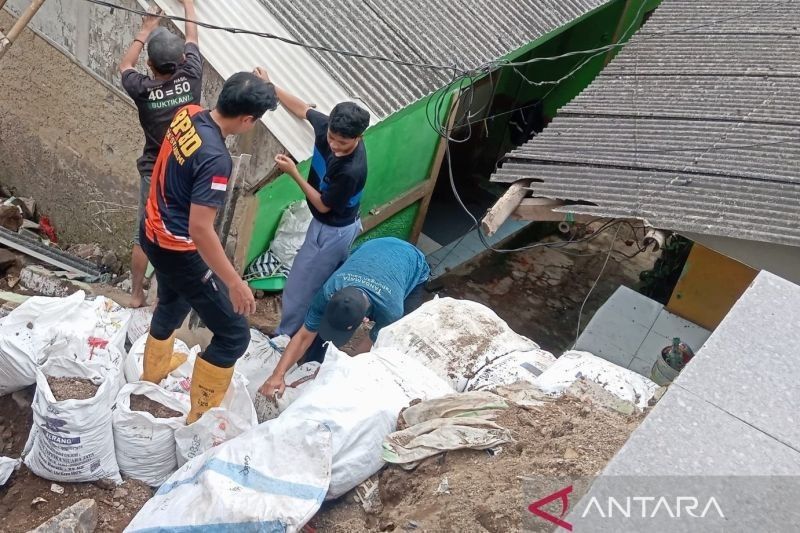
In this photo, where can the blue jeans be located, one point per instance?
(324, 250)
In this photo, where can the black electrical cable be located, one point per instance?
(286, 40)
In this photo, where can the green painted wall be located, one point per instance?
(400, 149)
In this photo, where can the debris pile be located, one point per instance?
(434, 425)
(33, 261)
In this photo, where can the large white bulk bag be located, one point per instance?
(72, 440)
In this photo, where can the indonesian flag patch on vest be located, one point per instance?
(219, 183)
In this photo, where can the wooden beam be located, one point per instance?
(381, 214)
(433, 177)
(504, 207)
(19, 25)
(224, 222)
(239, 174)
(245, 223)
(419, 221)
(541, 210)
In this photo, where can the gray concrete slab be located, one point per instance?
(686, 452)
(750, 366)
(685, 435)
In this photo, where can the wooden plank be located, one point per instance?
(239, 173)
(504, 207)
(382, 213)
(244, 223)
(223, 224)
(19, 25)
(419, 221)
(433, 177)
(541, 210)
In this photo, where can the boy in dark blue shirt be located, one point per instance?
(333, 191)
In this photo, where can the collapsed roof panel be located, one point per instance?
(694, 126)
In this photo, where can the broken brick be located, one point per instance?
(10, 217)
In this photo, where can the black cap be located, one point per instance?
(165, 50)
(343, 314)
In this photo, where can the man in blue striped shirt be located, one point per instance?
(333, 191)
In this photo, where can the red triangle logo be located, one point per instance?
(536, 507)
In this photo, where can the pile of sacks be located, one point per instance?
(100, 437)
(71, 440)
(337, 429)
(257, 462)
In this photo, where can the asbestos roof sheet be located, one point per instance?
(694, 126)
(442, 32)
(291, 67)
(466, 33)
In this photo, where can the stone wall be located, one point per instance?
(69, 136)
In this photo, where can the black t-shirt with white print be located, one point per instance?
(159, 100)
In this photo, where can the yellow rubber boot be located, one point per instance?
(209, 385)
(157, 358)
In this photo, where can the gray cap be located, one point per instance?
(165, 50)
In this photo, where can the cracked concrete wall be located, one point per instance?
(69, 136)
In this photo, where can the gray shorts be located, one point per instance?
(144, 192)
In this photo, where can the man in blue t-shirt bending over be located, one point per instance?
(382, 281)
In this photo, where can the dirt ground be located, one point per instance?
(117, 505)
(140, 402)
(539, 292)
(71, 388)
(466, 490)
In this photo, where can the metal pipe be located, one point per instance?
(19, 25)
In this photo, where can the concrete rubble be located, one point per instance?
(10, 217)
(7, 259)
(589, 391)
(47, 283)
(78, 518)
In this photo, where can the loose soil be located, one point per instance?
(566, 438)
(71, 388)
(117, 504)
(539, 292)
(140, 402)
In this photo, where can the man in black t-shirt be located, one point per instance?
(333, 191)
(177, 72)
(190, 180)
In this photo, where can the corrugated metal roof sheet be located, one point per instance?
(290, 66)
(462, 32)
(695, 126)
